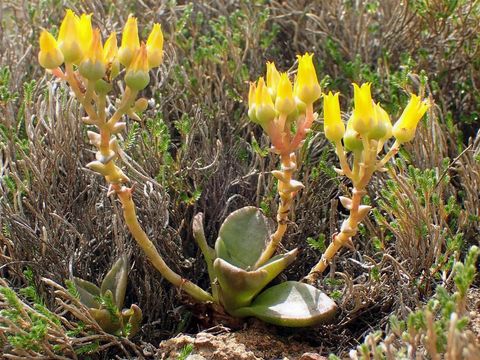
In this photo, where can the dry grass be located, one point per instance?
(56, 218)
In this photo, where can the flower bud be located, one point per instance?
(85, 32)
(265, 110)
(307, 88)
(363, 108)
(404, 129)
(381, 125)
(68, 38)
(352, 139)
(130, 42)
(284, 101)
(93, 66)
(137, 77)
(334, 128)
(155, 46)
(140, 105)
(50, 56)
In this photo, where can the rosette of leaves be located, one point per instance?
(240, 287)
(105, 303)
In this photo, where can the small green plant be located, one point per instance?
(105, 303)
(437, 330)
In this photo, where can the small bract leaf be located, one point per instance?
(291, 304)
(242, 237)
(87, 291)
(116, 281)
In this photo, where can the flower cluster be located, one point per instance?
(369, 121)
(368, 128)
(80, 45)
(277, 104)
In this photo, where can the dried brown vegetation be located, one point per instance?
(195, 152)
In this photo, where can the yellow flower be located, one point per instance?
(273, 78)
(137, 77)
(381, 125)
(85, 32)
(333, 125)
(404, 128)
(130, 42)
(284, 101)
(68, 38)
(50, 56)
(110, 50)
(155, 46)
(307, 88)
(265, 111)
(93, 65)
(363, 108)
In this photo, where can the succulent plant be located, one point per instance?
(105, 303)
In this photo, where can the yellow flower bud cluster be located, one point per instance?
(369, 121)
(81, 45)
(276, 103)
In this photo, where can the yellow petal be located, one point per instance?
(130, 41)
(155, 46)
(85, 35)
(273, 77)
(110, 49)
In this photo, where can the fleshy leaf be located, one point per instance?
(88, 292)
(106, 321)
(116, 281)
(134, 316)
(242, 237)
(238, 287)
(291, 304)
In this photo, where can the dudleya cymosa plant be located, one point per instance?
(242, 263)
(105, 303)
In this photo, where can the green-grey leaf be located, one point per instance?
(238, 287)
(291, 304)
(116, 281)
(88, 292)
(242, 237)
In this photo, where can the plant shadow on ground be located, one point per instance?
(194, 151)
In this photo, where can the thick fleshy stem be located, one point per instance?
(348, 230)
(287, 189)
(364, 170)
(130, 216)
